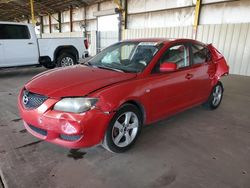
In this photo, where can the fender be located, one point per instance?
(129, 93)
(70, 49)
(222, 67)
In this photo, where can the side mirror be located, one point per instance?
(168, 67)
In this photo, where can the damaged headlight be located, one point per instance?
(75, 105)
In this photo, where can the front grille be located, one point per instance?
(38, 130)
(32, 100)
(70, 137)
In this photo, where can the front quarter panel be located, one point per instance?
(112, 97)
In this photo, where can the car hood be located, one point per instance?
(74, 81)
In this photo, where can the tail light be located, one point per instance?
(86, 43)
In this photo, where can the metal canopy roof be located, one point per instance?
(16, 10)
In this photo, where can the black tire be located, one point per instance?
(109, 143)
(60, 60)
(210, 103)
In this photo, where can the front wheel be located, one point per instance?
(123, 129)
(215, 97)
(66, 59)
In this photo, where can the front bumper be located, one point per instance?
(47, 124)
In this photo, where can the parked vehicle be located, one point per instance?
(19, 46)
(127, 85)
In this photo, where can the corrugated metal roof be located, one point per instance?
(16, 10)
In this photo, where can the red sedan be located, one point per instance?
(129, 84)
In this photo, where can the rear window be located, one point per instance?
(9, 31)
(201, 54)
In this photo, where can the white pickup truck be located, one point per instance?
(19, 46)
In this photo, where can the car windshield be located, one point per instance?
(126, 56)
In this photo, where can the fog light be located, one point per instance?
(68, 128)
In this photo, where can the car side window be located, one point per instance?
(178, 54)
(201, 54)
(119, 55)
(9, 31)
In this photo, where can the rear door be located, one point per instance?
(19, 45)
(203, 70)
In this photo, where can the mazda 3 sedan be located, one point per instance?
(129, 84)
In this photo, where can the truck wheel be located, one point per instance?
(65, 60)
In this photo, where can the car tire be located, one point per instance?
(66, 59)
(215, 97)
(123, 129)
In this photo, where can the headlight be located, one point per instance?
(75, 105)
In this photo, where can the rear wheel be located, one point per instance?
(123, 129)
(215, 97)
(66, 59)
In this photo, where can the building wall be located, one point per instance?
(168, 13)
(160, 13)
(78, 19)
(226, 13)
(225, 23)
(232, 40)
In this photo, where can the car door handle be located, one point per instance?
(189, 76)
(30, 43)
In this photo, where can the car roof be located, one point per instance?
(162, 40)
(13, 23)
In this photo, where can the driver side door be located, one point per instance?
(171, 92)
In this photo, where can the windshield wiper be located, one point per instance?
(108, 68)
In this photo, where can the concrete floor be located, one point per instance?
(197, 148)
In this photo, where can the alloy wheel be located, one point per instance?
(125, 129)
(67, 61)
(217, 95)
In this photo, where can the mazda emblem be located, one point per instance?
(25, 99)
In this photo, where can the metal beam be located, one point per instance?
(50, 28)
(60, 22)
(125, 14)
(32, 12)
(118, 3)
(71, 18)
(85, 21)
(41, 25)
(197, 13)
(197, 17)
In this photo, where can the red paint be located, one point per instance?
(74, 81)
(159, 94)
(168, 67)
(221, 66)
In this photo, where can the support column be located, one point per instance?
(125, 14)
(32, 12)
(71, 18)
(85, 21)
(59, 22)
(41, 25)
(98, 42)
(120, 11)
(50, 28)
(197, 17)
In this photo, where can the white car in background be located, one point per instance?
(19, 46)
